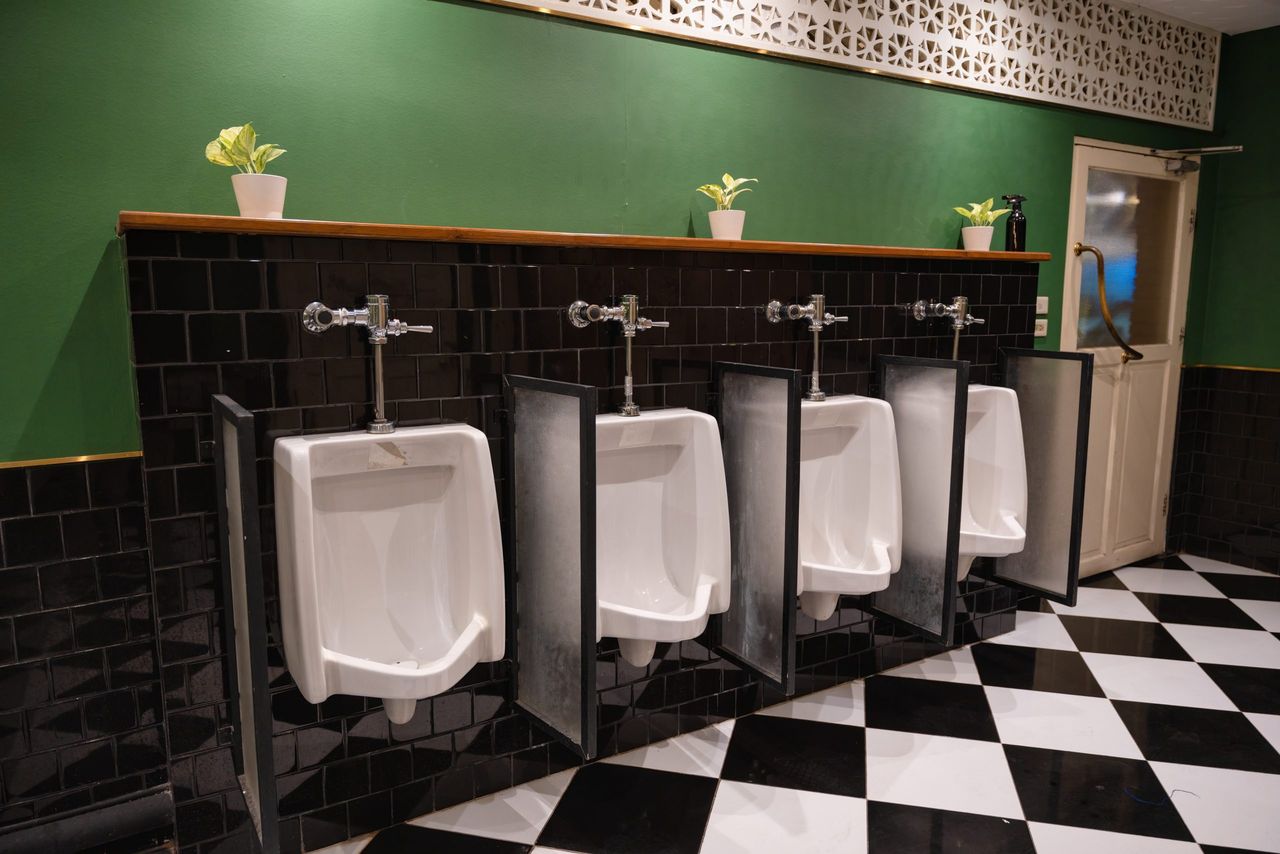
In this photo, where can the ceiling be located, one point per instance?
(1225, 16)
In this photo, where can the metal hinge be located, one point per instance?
(1192, 224)
(1164, 509)
(1182, 334)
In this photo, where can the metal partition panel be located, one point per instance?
(552, 519)
(246, 625)
(929, 399)
(760, 430)
(1054, 391)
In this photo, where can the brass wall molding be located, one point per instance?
(81, 458)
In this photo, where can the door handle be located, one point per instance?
(1129, 352)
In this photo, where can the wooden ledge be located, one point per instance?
(134, 220)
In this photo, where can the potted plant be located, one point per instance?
(726, 223)
(257, 194)
(977, 235)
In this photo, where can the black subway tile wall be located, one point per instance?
(1225, 500)
(222, 313)
(81, 708)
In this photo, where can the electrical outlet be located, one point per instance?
(1042, 305)
(1042, 327)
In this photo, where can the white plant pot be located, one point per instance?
(977, 238)
(727, 225)
(260, 196)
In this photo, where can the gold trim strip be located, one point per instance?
(82, 458)
(1236, 368)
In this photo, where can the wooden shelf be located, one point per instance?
(135, 220)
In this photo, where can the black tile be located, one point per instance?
(1008, 666)
(900, 829)
(28, 776)
(19, 591)
(1245, 586)
(215, 337)
(109, 714)
(180, 285)
(248, 384)
(928, 706)
(83, 764)
(798, 754)
(1252, 689)
(1100, 792)
(292, 284)
(1189, 736)
(272, 335)
(34, 539)
(43, 633)
(159, 338)
(91, 532)
(343, 285)
(237, 284)
(78, 674)
(71, 582)
(1163, 562)
(57, 488)
(617, 809)
(178, 540)
(1106, 581)
(1196, 611)
(13, 493)
(113, 482)
(407, 837)
(1122, 637)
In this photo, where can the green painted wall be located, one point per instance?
(1230, 317)
(432, 112)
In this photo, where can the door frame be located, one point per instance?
(1083, 149)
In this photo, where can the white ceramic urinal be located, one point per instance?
(993, 506)
(390, 558)
(850, 501)
(662, 530)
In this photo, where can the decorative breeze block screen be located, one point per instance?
(1080, 53)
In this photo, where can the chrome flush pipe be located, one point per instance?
(817, 315)
(582, 314)
(375, 316)
(958, 311)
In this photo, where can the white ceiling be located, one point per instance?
(1225, 16)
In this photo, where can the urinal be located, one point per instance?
(662, 530)
(850, 501)
(993, 504)
(390, 560)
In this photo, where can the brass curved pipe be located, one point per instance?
(1129, 352)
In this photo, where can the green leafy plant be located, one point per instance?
(981, 214)
(724, 196)
(238, 147)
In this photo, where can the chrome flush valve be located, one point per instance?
(818, 316)
(958, 311)
(582, 314)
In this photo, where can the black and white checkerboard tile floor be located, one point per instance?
(1145, 719)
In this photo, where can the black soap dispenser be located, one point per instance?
(1015, 227)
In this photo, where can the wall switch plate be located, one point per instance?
(1042, 327)
(1042, 305)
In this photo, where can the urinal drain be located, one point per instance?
(406, 663)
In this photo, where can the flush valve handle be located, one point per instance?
(399, 327)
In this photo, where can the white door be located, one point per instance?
(1139, 218)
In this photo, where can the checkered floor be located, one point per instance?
(1145, 719)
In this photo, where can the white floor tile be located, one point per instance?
(1268, 725)
(1037, 629)
(1215, 645)
(954, 665)
(351, 846)
(700, 752)
(843, 704)
(539, 849)
(515, 814)
(747, 818)
(1110, 604)
(1060, 722)
(1060, 839)
(937, 771)
(1267, 614)
(1221, 807)
(1204, 564)
(1156, 680)
(1150, 579)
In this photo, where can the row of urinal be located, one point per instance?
(390, 550)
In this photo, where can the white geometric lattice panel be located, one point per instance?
(1081, 53)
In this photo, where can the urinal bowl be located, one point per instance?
(390, 561)
(850, 501)
(662, 531)
(993, 508)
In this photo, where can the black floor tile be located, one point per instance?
(1188, 736)
(616, 809)
(1008, 666)
(798, 754)
(1100, 792)
(898, 829)
(1252, 689)
(410, 839)
(1245, 586)
(1196, 611)
(930, 707)
(1106, 581)
(1123, 637)
(1164, 562)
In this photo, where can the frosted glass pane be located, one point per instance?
(1051, 389)
(548, 458)
(759, 626)
(1132, 219)
(925, 402)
